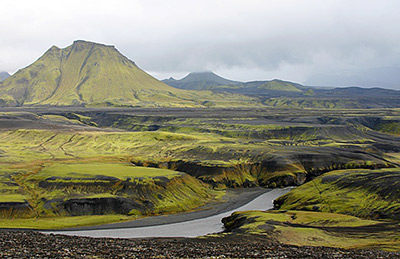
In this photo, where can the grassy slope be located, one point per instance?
(277, 85)
(317, 229)
(46, 185)
(61, 222)
(362, 193)
(87, 170)
(87, 73)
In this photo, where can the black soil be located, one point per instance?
(19, 244)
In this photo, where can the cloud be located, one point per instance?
(292, 39)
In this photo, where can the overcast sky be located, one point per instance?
(314, 42)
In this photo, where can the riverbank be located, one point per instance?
(233, 199)
(30, 244)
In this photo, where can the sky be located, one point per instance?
(313, 42)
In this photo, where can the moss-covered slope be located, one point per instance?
(279, 85)
(316, 229)
(362, 193)
(78, 188)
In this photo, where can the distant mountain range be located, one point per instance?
(272, 88)
(92, 74)
(4, 75)
(212, 81)
(199, 81)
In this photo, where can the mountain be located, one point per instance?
(274, 85)
(273, 88)
(213, 82)
(92, 74)
(4, 75)
(339, 98)
(357, 92)
(199, 81)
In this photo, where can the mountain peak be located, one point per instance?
(92, 74)
(80, 74)
(200, 81)
(54, 47)
(85, 43)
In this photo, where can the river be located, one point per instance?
(192, 228)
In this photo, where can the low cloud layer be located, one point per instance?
(332, 42)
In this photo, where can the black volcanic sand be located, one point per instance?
(233, 199)
(30, 244)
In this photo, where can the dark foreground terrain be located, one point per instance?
(35, 245)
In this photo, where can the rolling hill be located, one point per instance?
(92, 74)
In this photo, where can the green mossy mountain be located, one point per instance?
(92, 74)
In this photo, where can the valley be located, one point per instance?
(70, 167)
(90, 141)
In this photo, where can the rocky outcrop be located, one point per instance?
(371, 194)
(102, 206)
(233, 222)
(11, 209)
(276, 171)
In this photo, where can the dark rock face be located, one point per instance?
(233, 222)
(101, 206)
(62, 182)
(286, 180)
(15, 205)
(21, 209)
(312, 165)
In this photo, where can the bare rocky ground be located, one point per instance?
(30, 244)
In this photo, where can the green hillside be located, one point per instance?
(91, 74)
(278, 85)
(362, 193)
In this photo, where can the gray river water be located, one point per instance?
(192, 228)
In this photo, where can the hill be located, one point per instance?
(92, 74)
(4, 75)
(211, 81)
(274, 85)
(362, 193)
(199, 81)
(338, 98)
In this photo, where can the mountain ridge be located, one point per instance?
(211, 81)
(199, 81)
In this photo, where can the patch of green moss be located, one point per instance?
(316, 229)
(362, 193)
(60, 222)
